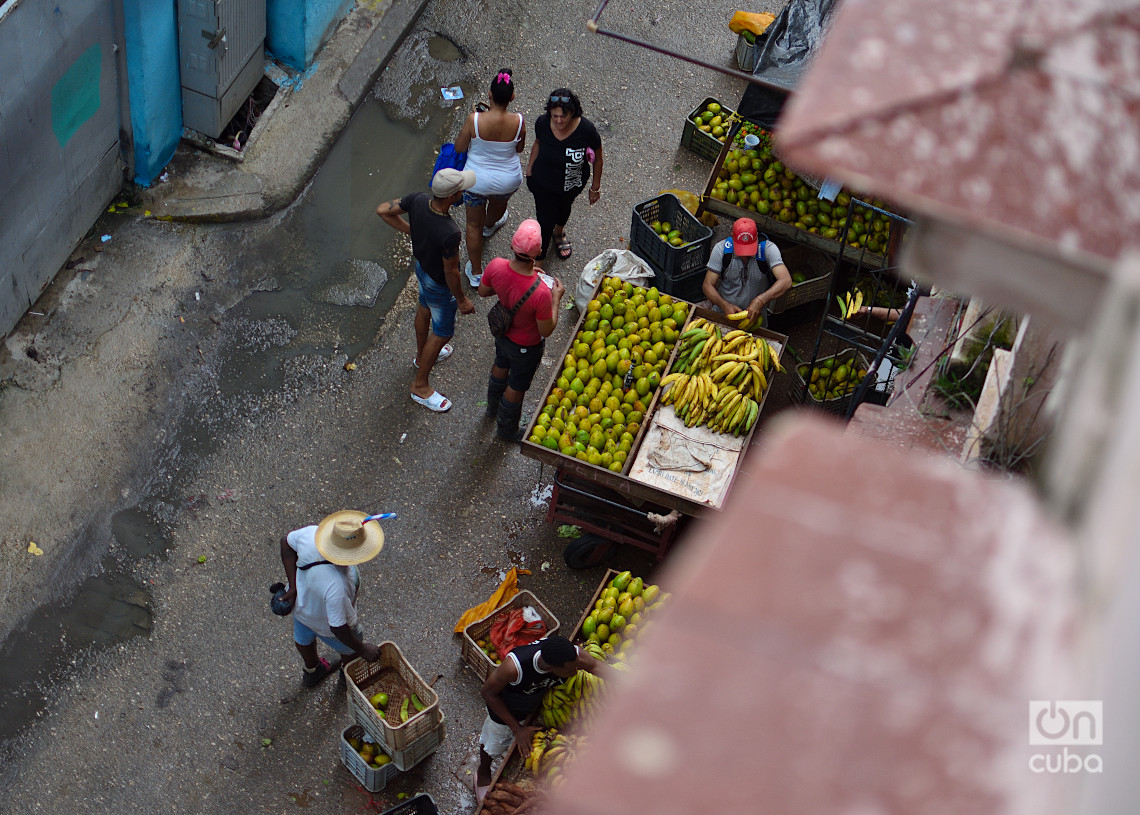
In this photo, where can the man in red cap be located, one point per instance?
(745, 273)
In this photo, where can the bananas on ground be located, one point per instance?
(719, 377)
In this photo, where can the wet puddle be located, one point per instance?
(337, 270)
(341, 268)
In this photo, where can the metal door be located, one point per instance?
(220, 44)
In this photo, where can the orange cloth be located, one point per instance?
(507, 589)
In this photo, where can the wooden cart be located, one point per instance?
(612, 505)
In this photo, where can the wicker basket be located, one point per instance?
(420, 749)
(370, 778)
(473, 655)
(392, 674)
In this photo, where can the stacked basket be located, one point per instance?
(406, 742)
(474, 656)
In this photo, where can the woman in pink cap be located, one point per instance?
(518, 282)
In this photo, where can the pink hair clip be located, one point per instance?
(503, 77)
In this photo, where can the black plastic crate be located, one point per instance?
(422, 804)
(705, 145)
(687, 288)
(671, 264)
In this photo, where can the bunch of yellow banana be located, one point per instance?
(538, 744)
(849, 306)
(576, 698)
(556, 752)
(718, 380)
(556, 708)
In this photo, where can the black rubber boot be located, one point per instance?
(508, 421)
(495, 389)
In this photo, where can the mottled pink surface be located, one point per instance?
(858, 634)
(1017, 118)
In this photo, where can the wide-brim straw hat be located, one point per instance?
(343, 540)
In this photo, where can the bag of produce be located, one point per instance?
(619, 263)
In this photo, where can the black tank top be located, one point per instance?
(524, 696)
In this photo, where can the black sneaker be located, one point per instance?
(312, 678)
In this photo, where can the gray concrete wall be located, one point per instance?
(60, 161)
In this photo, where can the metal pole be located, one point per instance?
(892, 335)
(593, 27)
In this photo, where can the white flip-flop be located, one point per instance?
(444, 353)
(437, 402)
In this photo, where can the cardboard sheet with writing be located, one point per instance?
(692, 462)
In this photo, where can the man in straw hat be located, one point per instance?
(320, 562)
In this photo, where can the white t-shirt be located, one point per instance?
(326, 594)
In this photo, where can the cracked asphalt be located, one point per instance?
(120, 395)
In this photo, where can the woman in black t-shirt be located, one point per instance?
(566, 144)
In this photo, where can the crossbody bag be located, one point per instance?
(499, 318)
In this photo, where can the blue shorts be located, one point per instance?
(303, 635)
(440, 302)
(472, 199)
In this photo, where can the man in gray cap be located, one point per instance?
(435, 246)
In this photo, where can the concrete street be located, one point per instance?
(150, 382)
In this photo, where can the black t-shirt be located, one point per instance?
(434, 236)
(562, 166)
(524, 696)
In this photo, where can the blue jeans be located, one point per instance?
(440, 302)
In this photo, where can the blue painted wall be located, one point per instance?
(296, 29)
(151, 34)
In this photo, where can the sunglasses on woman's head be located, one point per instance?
(563, 99)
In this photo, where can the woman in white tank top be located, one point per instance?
(493, 141)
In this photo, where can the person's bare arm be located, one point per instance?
(710, 291)
(546, 327)
(522, 138)
(596, 183)
(451, 272)
(598, 668)
(504, 674)
(782, 284)
(363, 649)
(289, 561)
(390, 211)
(463, 140)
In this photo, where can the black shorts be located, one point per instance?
(521, 361)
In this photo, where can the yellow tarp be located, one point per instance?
(507, 589)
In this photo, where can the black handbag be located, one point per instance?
(499, 317)
(277, 603)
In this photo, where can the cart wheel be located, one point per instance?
(587, 551)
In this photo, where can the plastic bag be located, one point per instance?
(620, 263)
(509, 631)
(786, 48)
(448, 158)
